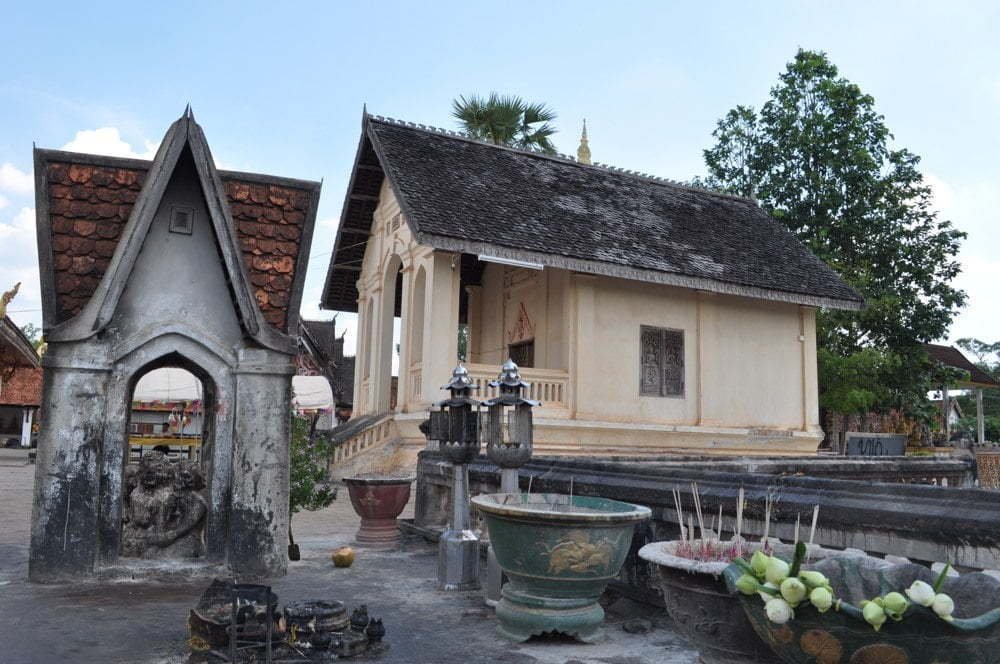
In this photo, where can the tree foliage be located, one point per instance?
(817, 156)
(506, 120)
(308, 488)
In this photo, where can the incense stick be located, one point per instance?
(798, 518)
(812, 530)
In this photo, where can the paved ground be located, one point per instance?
(146, 623)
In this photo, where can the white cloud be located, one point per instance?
(3, 202)
(19, 263)
(108, 141)
(15, 181)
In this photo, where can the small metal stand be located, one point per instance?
(246, 596)
(507, 430)
(455, 425)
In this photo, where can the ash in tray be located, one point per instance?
(301, 631)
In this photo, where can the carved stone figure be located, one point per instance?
(164, 510)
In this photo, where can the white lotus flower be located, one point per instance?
(894, 605)
(793, 590)
(814, 579)
(766, 595)
(778, 611)
(821, 598)
(777, 571)
(921, 593)
(943, 606)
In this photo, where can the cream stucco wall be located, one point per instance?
(749, 364)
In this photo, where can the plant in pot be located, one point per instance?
(308, 488)
(379, 494)
(862, 609)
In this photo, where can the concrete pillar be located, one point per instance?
(810, 371)
(67, 474)
(403, 385)
(440, 323)
(259, 517)
(980, 422)
(475, 322)
(945, 414)
(26, 417)
(582, 344)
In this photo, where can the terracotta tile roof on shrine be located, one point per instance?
(91, 197)
(460, 194)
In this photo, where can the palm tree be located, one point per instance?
(506, 120)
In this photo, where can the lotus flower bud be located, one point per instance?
(747, 584)
(814, 579)
(943, 606)
(894, 605)
(766, 595)
(777, 571)
(821, 598)
(874, 615)
(778, 611)
(921, 593)
(759, 563)
(793, 590)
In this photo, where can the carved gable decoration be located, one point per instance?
(523, 328)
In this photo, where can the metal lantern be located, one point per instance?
(455, 425)
(507, 430)
(507, 425)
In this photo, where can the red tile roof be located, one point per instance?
(24, 388)
(953, 357)
(90, 204)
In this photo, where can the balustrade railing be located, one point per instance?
(547, 385)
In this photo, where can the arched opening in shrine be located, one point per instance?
(168, 458)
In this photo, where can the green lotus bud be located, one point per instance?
(943, 606)
(759, 563)
(793, 590)
(874, 615)
(921, 593)
(894, 605)
(821, 598)
(777, 571)
(768, 591)
(778, 611)
(814, 579)
(747, 584)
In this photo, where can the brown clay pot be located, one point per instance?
(378, 500)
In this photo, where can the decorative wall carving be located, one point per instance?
(523, 328)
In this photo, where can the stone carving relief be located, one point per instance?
(164, 513)
(523, 327)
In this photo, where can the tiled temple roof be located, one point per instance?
(91, 197)
(465, 195)
(953, 357)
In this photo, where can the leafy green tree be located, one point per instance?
(33, 333)
(506, 120)
(817, 156)
(308, 488)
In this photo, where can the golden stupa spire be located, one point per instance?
(583, 152)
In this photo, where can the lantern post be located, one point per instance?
(455, 425)
(507, 430)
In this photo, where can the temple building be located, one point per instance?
(20, 386)
(649, 316)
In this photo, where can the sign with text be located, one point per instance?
(875, 444)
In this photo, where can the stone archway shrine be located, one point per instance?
(154, 264)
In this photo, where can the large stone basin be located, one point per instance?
(559, 552)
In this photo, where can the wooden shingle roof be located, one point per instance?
(464, 195)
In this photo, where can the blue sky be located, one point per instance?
(279, 88)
